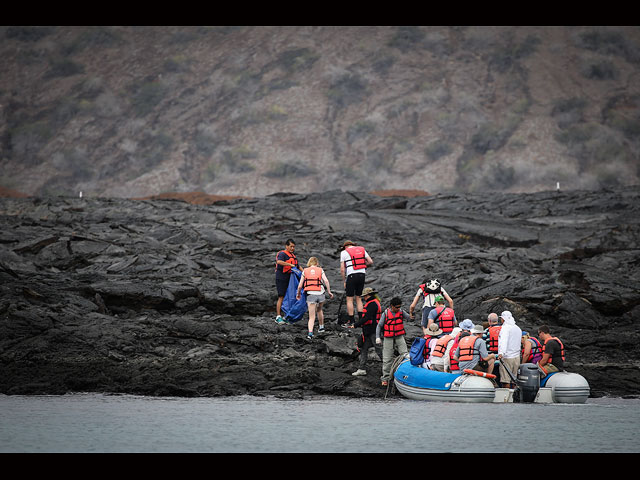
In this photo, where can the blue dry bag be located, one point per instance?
(416, 353)
(292, 309)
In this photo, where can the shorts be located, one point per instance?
(281, 286)
(513, 364)
(315, 298)
(355, 285)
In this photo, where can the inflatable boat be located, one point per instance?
(419, 383)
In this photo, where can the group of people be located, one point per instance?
(449, 346)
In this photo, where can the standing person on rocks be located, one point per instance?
(429, 290)
(353, 262)
(509, 345)
(372, 311)
(391, 326)
(314, 281)
(285, 261)
(442, 316)
(553, 356)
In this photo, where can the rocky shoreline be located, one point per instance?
(165, 297)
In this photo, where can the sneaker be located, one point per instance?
(359, 373)
(280, 320)
(347, 325)
(321, 329)
(385, 383)
(309, 336)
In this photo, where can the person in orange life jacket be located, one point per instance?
(353, 262)
(443, 316)
(491, 333)
(285, 261)
(314, 281)
(472, 353)
(463, 330)
(391, 328)
(429, 290)
(372, 311)
(531, 349)
(553, 356)
(434, 333)
(509, 344)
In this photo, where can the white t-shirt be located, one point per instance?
(430, 298)
(345, 257)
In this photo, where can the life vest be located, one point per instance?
(494, 332)
(393, 325)
(378, 313)
(445, 319)
(536, 351)
(453, 363)
(467, 348)
(357, 260)
(286, 268)
(561, 348)
(312, 279)
(441, 346)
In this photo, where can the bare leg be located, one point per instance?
(312, 316)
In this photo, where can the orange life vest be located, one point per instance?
(467, 348)
(357, 260)
(441, 346)
(312, 279)
(561, 348)
(286, 268)
(494, 332)
(393, 325)
(445, 319)
(366, 308)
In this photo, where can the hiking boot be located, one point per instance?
(359, 373)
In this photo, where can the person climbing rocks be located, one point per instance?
(391, 328)
(285, 261)
(371, 313)
(315, 284)
(353, 262)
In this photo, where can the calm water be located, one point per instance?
(123, 423)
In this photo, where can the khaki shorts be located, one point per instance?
(513, 364)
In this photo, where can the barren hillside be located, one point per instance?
(246, 111)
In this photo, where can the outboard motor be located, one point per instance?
(528, 382)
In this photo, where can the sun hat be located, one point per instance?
(467, 325)
(368, 291)
(477, 329)
(434, 330)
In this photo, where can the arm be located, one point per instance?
(300, 284)
(367, 259)
(414, 303)
(380, 327)
(325, 280)
(447, 298)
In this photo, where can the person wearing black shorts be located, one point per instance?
(353, 262)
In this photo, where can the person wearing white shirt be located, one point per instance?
(509, 345)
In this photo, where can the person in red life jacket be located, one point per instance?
(391, 328)
(371, 313)
(492, 332)
(314, 281)
(443, 316)
(353, 262)
(285, 261)
(429, 290)
(531, 349)
(472, 352)
(553, 356)
(441, 353)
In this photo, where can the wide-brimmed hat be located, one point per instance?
(434, 330)
(467, 324)
(477, 329)
(368, 291)
(347, 243)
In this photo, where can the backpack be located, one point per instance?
(416, 352)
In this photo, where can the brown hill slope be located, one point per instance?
(249, 111)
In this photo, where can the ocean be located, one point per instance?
(101, 423)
